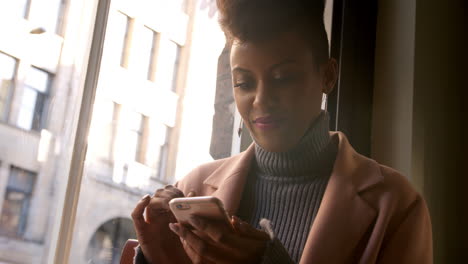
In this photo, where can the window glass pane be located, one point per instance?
(7, 66)
(15, 8)
(156, 143)
(121, 33)
(46, 14)
(11, 213)
(33, 100)
(7, 75)
(28, 105)
(15, 209)
(104, 127)
(144, 51)
(168, 62)
(37, 79)
(21, 180)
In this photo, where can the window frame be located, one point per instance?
(353, 42)
(61, 239)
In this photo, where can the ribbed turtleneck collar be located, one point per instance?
(303, 158)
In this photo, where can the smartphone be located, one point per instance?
(208, 207)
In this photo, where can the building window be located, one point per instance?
(148, 49)
(130, 139)
(34, 99)
(104, 129)
(157, 148)
(169, 65)
(8, 67)
(47, 14)
(17, 200)
(16, 8)
(124, 25)
(184, 5)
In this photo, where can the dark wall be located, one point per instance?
(440, 103)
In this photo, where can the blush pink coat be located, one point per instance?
(369, 213)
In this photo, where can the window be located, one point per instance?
(184, 4)
(16, 204)
(158, 139)
(148, 47)
(169, 65)
(129, 145)
(7, 77)
(104, 129)
(33, 101)
(47, 13)
(164, 155)
(16, 8)
(124, 24)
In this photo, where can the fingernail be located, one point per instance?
(145, 197)
(174, 228)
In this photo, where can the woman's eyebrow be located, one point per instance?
(239, 69)
(284, 62)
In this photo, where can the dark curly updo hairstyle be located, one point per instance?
(261, 20)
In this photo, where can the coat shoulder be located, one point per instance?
(193, 181)
(394, 198)
(394, 190)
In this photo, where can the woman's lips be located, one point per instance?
(267, 122)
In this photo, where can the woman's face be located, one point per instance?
(278, 88)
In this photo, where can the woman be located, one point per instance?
(299, 194)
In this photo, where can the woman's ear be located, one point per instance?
(329, 75)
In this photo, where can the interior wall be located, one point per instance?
(438, 100)
(393, 84)
(420, 100)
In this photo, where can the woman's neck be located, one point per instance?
(302, 158)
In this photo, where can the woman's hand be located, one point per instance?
(214, 242)
(158, 243)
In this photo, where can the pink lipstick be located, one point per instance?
(267, 122)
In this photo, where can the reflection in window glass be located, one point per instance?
(16, 204)
(7, 76)
(31, 115)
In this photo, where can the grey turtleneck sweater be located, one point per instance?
(287, 188)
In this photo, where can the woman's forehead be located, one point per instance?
(287, 46)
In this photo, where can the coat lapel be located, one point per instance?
(343, 216)
(229, 179)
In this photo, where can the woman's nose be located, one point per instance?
(265, 96)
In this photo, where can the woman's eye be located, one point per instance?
(242, 85)
(284, 79)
